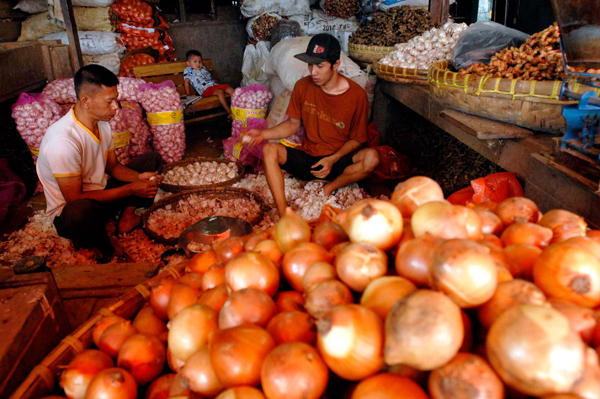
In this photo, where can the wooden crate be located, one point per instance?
(33, 322)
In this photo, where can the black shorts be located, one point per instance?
(299, 164)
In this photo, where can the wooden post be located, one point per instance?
(71, 26)
(213, 9)
(182, 15)
(439, 10)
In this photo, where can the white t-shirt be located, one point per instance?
(71, 149)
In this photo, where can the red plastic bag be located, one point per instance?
(496, 188)
(393, 165)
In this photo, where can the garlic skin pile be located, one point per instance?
(200, 173)
(420, 52)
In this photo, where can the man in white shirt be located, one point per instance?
(77, 155)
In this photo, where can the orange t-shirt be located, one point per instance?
(329, 120)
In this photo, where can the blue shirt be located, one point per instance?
(199, 79)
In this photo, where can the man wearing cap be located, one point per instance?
(334, 112)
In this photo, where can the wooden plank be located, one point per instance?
(205, 118)
(10, 30)
(28, 75)
(482, 128)
(167, 68)
(213, 10)
(62, 66)
(439, 10)
(110, 280)
(182, 13)
(72, 34)
(550, 161)
(79, 310)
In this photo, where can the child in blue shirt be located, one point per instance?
(198, 77)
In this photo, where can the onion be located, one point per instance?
(497, 254)
(508, 294)
(271, 250)
(190, 330)
(318, 272)
(114, 336)
(325, 295)
(414, 192)
(350, 339)
(388, 386)
(228, 248)
(248, 306)
(383, 292)
(292, 326)
(520, 259)
(466, 376)
(199, 374)
(564, 224)
(534, 350)
(467, 344)
(254, 240)
(179, 388)
(589, 385)
(335, 251)
(517, 209)
(465, 271)
(444, 220)
(328, 234)
(423, 330)
(490, 222)
(360, 263)
(241, 393)
(298, 259)
(569, 272)
(160, 296)
(415, 258)
(146, 322)
(402, 370)
(492, 239)
(159, 389)
(174, 363)
(214, 298)
(182, 296)
(102, 325)
(238, 353)
(291, 230)
(201, 262)
(80, 371)
(287, 301)
(143, 356)
(214, 277)
(252, 270)
(192, 280)
(526, 233)
(587, 243)
(581, 319)
(112, 383)
(375, 222)
(294, 370)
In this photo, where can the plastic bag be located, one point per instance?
(234, 150)
(496, 188)
(135, 11)
(93, 43)
(317, 22)
(393, 165)
(112, 62)
(277, 88)
(32, 6)
(38, 26)
(92, 3)
(126, 68)
(482, 40)
(283, 30)
(252, 8)
(12, 188)
(255, 57)
(368, 6)
(387, 4)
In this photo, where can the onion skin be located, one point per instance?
(466, 376)
(325, 295)
(490, 222)
(555, 354)
(182, 296)
(160, 296)
(569, 272)
(112, 383)
(423, 330)
(199, 374)
(589, 386)
(238, 353)
(287, 301)
(174, 364)
(159, 389)
(249, 306)
(290, 231)
(564, 225)
(409, 195)
(143, 356)
(214, 298)
(297, 260)
(214, 277)
(447, 221)
(193, 280)
(293, 326)
(465, 271)
(270, 249)
(102, 325)
(318, 272)
(114, 337)
(520, 259)
(229, 248)
(190, 330)
(294, 371)
(388, 386)
(517, 209)
(201, 262)
(76, 378)
(527, 233)
(252, 270)
(581, 319)
(350, 339)
(241, 393)
(375, 222)
(586, 243)
(146, 322)
(328, 234)
(415, 259)
(360, 263)
(383, 292)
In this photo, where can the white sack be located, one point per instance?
(255, 57)
(252, 8)
(253, 19)
(93, 43)
(316, 22)
(112, 61)
(32, 6)
(387, 4)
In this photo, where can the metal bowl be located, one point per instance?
(212, 229)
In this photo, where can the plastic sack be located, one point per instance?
(480, 41)
(130, 133)
(277, 88)
(126, 68)
(317, 22)
(99, 19)
(38, 26)
(112, 62)
(136, 11)
(368, 6)
(92, 3)
(261, 27)
(12, 188)
(387, 4)
(285, 29)
(496, 188)
(62, 91)
(255, 57)
(93, 43)
(234, 150)
(252, 8)
(393, 165)
(339, 8)
(32, 6)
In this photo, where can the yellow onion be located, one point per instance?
(414, 192)
(375, 222)
(490, 222)
(415, 259)
(199, 375)
(383, 292)
(564, 224)
(534, 350)
(360, 263)
(323, 296)
(190, 330)
(517, 209)
(423, 330)
(252, 270)
(444, 220)
(318, 272)
(291, 230)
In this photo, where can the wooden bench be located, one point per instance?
(158, 73)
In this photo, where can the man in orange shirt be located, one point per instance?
(334, 112)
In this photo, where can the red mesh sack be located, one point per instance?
(496, 187)
(393, 165)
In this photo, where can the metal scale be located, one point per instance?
(579, 23)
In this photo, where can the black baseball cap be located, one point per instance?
(322, 47)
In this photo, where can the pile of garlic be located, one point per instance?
(420, 52)
(201, 173)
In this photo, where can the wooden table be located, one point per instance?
(533, 156)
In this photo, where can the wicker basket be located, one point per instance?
(530, 104)
(401, 75)
(370, 54)
(214, 192)
(175, 188)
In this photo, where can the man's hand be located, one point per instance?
(325, 165)
(144, 188)
(252, 138)
(153, 176)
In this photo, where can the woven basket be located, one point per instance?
(175, 188)
(530, 104)
(213, 192)
(401, 75)
(370, 54)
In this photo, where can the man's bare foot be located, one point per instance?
(327, 190)
(128, 221)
